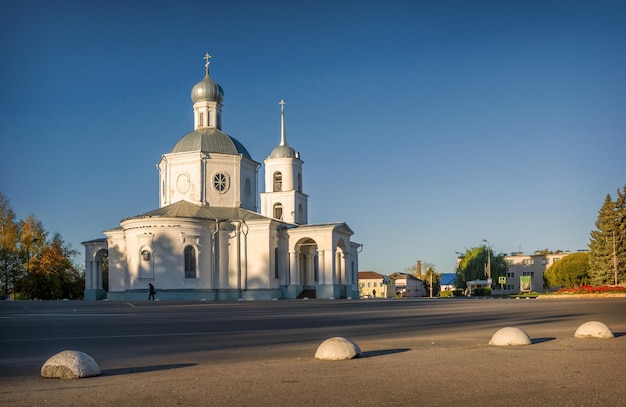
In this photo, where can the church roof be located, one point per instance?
(400, 276)
(210, 140)
(370, 275)
(284, 151)
(184, 209)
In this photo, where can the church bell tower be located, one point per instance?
(283, 198)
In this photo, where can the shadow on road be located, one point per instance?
(144, 369)
(382, 352)
(535, 341)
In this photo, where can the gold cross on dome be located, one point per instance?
(206, 65)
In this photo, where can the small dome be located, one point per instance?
(284, 151)
(207, 91)
(210, 140)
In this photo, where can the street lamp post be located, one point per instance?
(28, 267)
(488, 263)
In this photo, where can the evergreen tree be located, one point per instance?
(620, 235)
(607, 238)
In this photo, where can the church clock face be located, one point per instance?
(220, 182)
(182, 183)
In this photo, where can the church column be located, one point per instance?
(321, 278)
(89, 277)
(293, 268)
(203, 180)
(339, 267)
(347, 271)
(99, 274)
(223, 259)
(329, 267)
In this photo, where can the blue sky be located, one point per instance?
(427, 126)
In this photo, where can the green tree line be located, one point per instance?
(33, 265)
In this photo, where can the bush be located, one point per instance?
(482, 292)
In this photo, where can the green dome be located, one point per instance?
(210, 140)
(283, 151)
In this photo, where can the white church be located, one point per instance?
(208, 240)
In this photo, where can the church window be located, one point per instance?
(299, 182)
(190, 262)
(220, 182)
(248, 187)
(278, 181)
(276, 275)
(300, 214)
(278, 211)
(201, 119)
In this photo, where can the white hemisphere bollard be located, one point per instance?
(510, 337)
(70, 364)
(337, 348)
(594, 329)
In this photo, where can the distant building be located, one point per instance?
(372, 284)
(407, 285)
(526, 271)
(447, 281)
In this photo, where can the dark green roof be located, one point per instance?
(210, 140)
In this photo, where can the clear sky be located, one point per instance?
(427, 126)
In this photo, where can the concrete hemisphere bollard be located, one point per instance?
(510, 336)
(594, 329)
(337, 348)
(70, 364)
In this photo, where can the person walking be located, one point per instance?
(152, 292)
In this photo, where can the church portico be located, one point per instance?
(206, 241)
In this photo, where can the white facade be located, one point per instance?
(207, 240)
(408, 285)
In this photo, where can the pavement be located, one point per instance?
(412, 368)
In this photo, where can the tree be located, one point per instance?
(570, 271)
(9, 256)
(607, 244)
(33, 238)
(473, 266)
(620, 237)
(432, 275)
(54, 276)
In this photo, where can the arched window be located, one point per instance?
(278, 181)
(299, 182)
(201, 119)
(300, 214)
(278, 211)
(190, 262)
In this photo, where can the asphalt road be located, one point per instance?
(416, 352)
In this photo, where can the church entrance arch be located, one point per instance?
(101, 260)
(307, 263)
